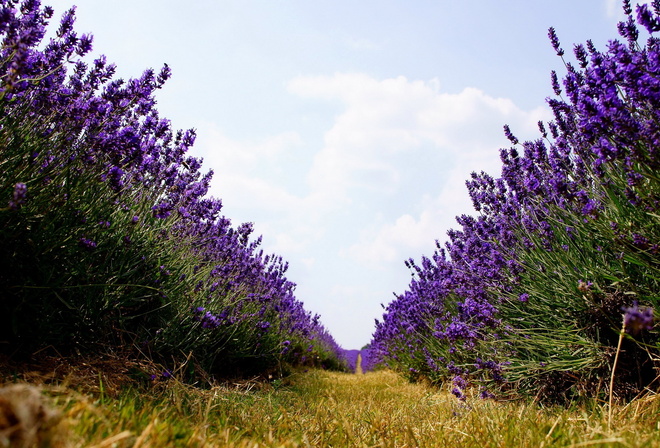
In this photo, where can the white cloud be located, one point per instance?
(406, 233)
(237, 179)
(392, 137)
(394, 161)
(241, 156)
(613, 8)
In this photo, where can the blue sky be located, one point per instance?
(345, 130)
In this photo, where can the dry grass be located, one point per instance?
(318, 409)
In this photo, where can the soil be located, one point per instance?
(358, 365)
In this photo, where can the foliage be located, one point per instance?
(107, 235)
(530, 294)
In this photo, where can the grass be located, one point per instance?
(319, 408)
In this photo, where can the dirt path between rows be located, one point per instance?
(358, 365)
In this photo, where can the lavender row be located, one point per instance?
(108, 236)
(530, 293)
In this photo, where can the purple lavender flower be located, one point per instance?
(485, 394)
(555, 41)
(458, 393)
(646, 18)
(507, 132)
(584, 287)
(19, 195)
(116, 178)
(591, 208)
(640, 241)
(627, 9)
(87, 244)
(637, 319)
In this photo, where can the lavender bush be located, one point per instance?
(529, 294)
(108, 238)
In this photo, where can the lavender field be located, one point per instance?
(111, 243)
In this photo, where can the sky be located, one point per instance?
(345, 130)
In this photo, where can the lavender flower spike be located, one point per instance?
(18, 198)
(637, 318)
(554, 40)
